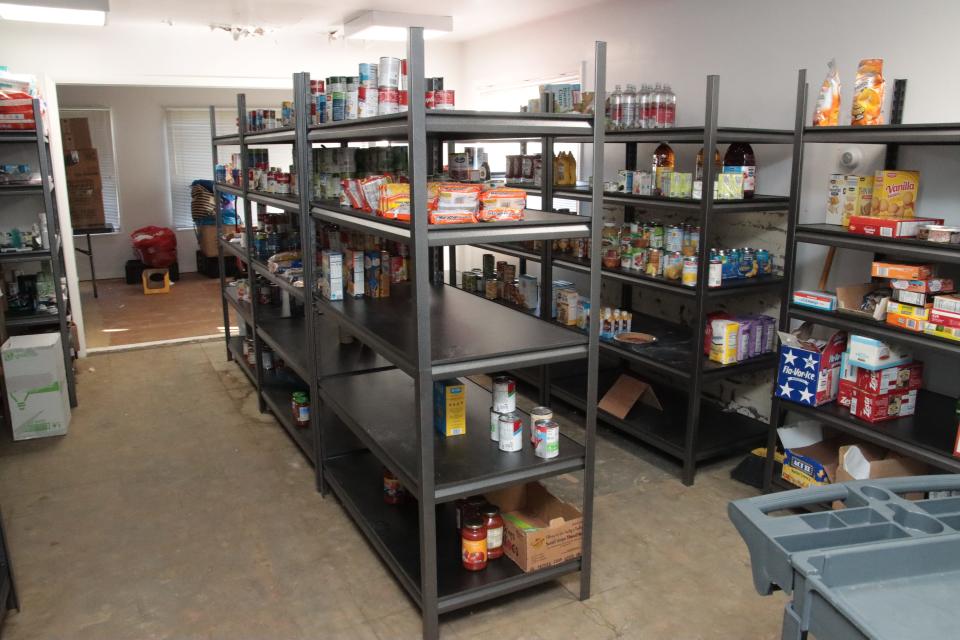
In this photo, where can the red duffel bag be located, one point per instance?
(157, 246)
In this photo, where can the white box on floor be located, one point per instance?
(36, 386)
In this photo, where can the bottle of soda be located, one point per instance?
(671, 106)
(698, 175)
(616, 109)
(663, 161)
(740, 159)
(643, 107)
(630, 107)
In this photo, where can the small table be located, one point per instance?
(92, 231)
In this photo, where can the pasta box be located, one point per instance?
(947, 319)
(947, 303)
(889, 227)
(809, 459)
(809, 369)
(940, 331)
(821, 300)
(901, 271)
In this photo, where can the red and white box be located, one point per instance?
(907, 377)
(932, 285)
(889, 227)
(944, 318)
(947, 303)
(848, 381)
(874, 407)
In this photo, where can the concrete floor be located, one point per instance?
(173, 509)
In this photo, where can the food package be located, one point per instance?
(455, 203)
(16, 110)
(868, 93)
(502, 204)
(827, 112)
(394, 202)
(895, 194)
(351, 195)
(848, 196)
(371, 192)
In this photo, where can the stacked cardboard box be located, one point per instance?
(878, 381)
(84, 185)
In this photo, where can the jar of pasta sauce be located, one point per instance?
(494, 524)
(392, 489)
(300, 405)
(473, 543)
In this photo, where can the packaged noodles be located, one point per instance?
(394, 202)
(868, 93)
(455, 203)
(502, 204)
(827, 112)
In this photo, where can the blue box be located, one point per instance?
(809, 371)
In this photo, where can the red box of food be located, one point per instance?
(944, 318)
(901, 271)
(896, 378)
(845, 392)
(889, 227)
(874, 407)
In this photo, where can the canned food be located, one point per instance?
(547, 439)
(388, 101)
(764, 263)
(537, 414)
(368, 74)
(444, 99)
(672, 265)
(494, 424)
(504, 394)
(458, 165)
(689, 277)
(639, 259)
(404, 100)
(388, 73)
(656, 235)
(654, 265)
(674, 238)
(511, 432)
(715, 273)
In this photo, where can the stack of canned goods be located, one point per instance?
(268, 119)
(262, 177)
(613, 322)
(734, 264)
(331, 165)
(653, 249)
(506, 425)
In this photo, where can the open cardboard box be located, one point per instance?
(539, 529)
(850, 296)
(866, 461)
(810, 459)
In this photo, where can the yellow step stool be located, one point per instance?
(156, 281)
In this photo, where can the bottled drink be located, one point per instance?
(698, 175)
(630, 107)
(663, 161)
(671, 107)
(740, 159)
(616, 109)
(659, 107)
(643, 107)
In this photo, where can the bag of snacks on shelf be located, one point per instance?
(455, 203)
(868, 93)
(371, 192)
(827, 113)
(351, 195)
(394, 202)
(502, 204)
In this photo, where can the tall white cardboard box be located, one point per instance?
(36, 386)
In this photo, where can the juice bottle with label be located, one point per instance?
(740, 159)
(663, 160)
(698, 175)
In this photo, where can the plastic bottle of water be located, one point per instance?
(630, 107)
(616, 109)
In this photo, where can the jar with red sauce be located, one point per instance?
(494, 524)
(473, 543)
(392, 489)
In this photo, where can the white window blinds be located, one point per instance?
(101, 136)
(189, 154)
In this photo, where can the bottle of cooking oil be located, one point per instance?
(698, 175)
(663, 162)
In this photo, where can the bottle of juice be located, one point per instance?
(740, 159)
(571, 172)
(698, 175)
(663, 160)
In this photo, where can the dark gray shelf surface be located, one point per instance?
(464, 465)
(917, 134)
(276, 394)
(279, 135)
(21, 189)
(837, 236)
(335, 358)
(394, 532)
(25, 256)
(659, 203)
(18, 136)
(229, 139)
(695, 135)
(36, 320)
(286, 336)
(243, 307)
(876, 329)
(229, 188)
(262, 269)
(233, 249)
(236, 348)
(468, 332)
(286, 202)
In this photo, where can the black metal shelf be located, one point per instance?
(758, 202)
(696, 135)
(286, 336)
(278, 135)
(232, 139)
(36, 320)
(21, 189)
(335, 358)
(276, 394)
(289, 203)
(837, 236)
(928, 436)
(235, 344)
(26, 256)
(242, 307)
(536, 225)
(234, 249)
(911, 134)
(263, 270)
(469, 334)
(393, 531)
(876, 329)
(229, 188)
(464, 465)
(18, 136)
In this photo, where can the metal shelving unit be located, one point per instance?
(692, 433)
(44, 190)
(431, 331)
(929, 435)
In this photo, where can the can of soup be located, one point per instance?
(495, 424)
(547, 439)
(504, 394)
(388, 73)
(537, 414)
(511, 432)
(388, 101)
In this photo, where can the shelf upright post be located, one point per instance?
(56, 266)
(629, 215)
(546, 255)
(699, 316)
(308, 246)
(593, 342)
(420, 259)
(789, 259)
(221, 263)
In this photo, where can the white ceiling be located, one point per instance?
(470, 17)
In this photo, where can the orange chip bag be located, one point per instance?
(827, 112)
(868, 93)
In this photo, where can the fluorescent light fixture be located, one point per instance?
(387, 25)
(91, 13)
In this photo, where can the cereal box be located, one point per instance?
(895, 194)
(848, 196)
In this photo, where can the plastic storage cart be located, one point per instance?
(883, 567)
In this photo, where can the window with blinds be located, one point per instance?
(100, 123)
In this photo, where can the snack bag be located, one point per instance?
(868, 93)
(827, 112)
(371, 192)
(394, 202)
(502, 204)
(351, 195)
(456, 203)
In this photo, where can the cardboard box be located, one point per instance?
(895, 193)
(909, 309)
(850, 298)
(947, 319)
(75, 133)
(889, 227)
(873, 354)
(725, 341)
(376, 283)
(876, 407)
(86, 212)
(81, 162)
(450, 407)
(845, 392)
(36, 386)
(353, 267)
(539, 529)
(848, 381)
(907, 316)
(809, 459)
(866, 461)
(207, 240)
(911, 298)
(906, 322)
(529, 288)
(809, 370)
(940, 331)
(567, 303)
(947, 303)
(821, 300)
(933, 285)
(625, 392)
(898, 378)
(848, 196)
(901, 271)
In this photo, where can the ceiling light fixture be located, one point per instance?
(92, 13)
(387, 25)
